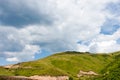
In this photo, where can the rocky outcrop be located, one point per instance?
(11, 66)
(89, 73)
(34, 78)
(14, 78)
(49, 78)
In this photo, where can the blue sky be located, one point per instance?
(33, 29)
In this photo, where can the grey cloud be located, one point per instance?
(19, 13)
(14, 45)
(114, 8)
(57, 45)
(9, 40)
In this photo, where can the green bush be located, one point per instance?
(70, 78)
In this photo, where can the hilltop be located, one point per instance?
(68, 63)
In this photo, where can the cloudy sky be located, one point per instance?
(32, 29)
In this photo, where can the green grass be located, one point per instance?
(6, 72)
(66, 63)
(112, 71)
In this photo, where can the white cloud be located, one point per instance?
(14, 46)
(104, 46)
(14, 59)
(105, 43)
(26, 54)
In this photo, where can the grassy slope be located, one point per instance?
(66, 63)
(112, 70)
(5, 72)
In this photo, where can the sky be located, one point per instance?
(33, 29)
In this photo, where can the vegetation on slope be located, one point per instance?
(112, 70)
(6, 72)
(66, 63)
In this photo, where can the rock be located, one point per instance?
(89, 73)
(49, 77)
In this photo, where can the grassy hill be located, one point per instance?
(68, 63)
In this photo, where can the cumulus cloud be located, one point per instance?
(56, 25)
(12, 59)
(9, 39)
(104, 46)
(103, 43)
(19, 13)
(13, 47)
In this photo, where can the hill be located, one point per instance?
(67, 64)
